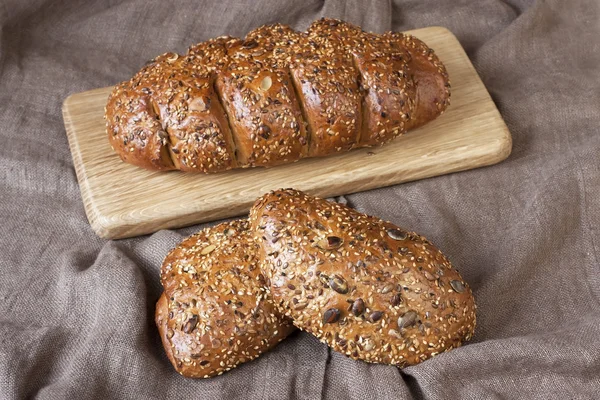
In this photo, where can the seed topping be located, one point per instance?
(331, 315)
(338, 284)
(358, 307)
(407, 319)
(330, 243)
(397, 234)
(458, 286)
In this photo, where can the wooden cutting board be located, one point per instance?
(122, 200)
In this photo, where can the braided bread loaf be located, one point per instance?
(275, 97)
(363, 286)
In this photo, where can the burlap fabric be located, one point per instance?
(76, 311)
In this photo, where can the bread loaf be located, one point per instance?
(367, 288)
(363, 286)
(275, 97)
(214, 313)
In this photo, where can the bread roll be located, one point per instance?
(275, 97)
(215, 313)
(365, 287)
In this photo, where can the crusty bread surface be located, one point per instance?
(275, 97)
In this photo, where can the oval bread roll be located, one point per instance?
(365, 287)
(275, 97)
(214, 313)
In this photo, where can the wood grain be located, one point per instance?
(122, 200)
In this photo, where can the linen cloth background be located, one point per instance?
(76, 311)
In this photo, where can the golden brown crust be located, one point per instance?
(259, 98)
(189, 108)
(134, 129)
(275, 97)
(387, 90)
(362, 285)
(327, 84)
(161, 318)
(172, 101)
(430, 77)
(216, 313)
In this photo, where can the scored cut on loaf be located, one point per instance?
(215, 312)
(275, 97)
(364, 286)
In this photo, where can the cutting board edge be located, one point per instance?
(92, 213)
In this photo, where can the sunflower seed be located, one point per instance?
(396, 299)
(300, 306)
(208, 249)
(407, 319)
(458, 286)
(190, 325)
(387, 288)
(396, 234)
